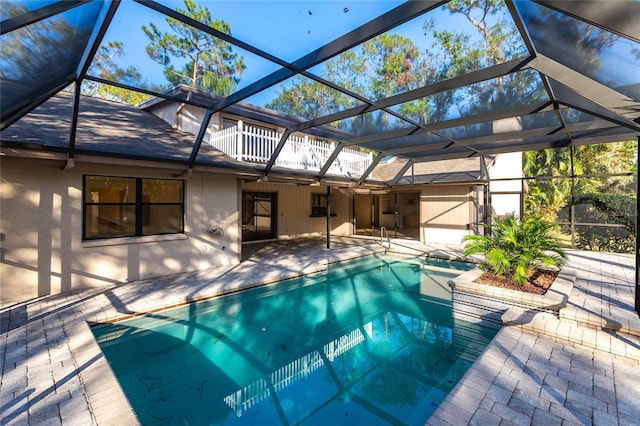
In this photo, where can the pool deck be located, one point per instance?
(581, 368)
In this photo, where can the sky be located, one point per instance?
(286, 29)
(291, 29)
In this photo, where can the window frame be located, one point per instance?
(319, 210)
(141, 208)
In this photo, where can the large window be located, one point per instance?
(131, 207)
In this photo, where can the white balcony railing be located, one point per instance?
(256, 145)
(251, 394)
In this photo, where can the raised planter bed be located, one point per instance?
(485, 304)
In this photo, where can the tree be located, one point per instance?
(583, 40)
(105, 67)
(546, 196)
(608, 158)
(391, 63)
(35, 51)
(617, 209)
(308, 99)
(205, 61)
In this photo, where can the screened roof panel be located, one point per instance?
(509, 91)
(603, 56)
(444, 171)
(542, 120)
(165, 60)
(622, 110)
(423, 80)
(555, 140)
(43, 55)
(303, 98)
(449, 153)
(31, 4)
(290, 30)
(471, 130)
(424, 51)
(371, 123)
(406, 143)
(570, 115)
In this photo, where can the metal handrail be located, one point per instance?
(383, 232)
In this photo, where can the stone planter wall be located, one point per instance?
(485, 304)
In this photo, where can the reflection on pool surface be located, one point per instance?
(370, 341)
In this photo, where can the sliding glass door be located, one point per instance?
(258, 216)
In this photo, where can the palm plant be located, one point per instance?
(515, 248)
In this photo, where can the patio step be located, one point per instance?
(614, 342)
(601, 321)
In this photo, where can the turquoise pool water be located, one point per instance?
(370, 341)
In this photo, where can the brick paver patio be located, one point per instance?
(582, 368)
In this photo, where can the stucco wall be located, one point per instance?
(506, 195)
(189, 118)
(42, 251)
(446, 212)
(294, 208)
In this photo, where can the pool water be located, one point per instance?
(370, 341)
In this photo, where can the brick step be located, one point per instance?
(600, 321)
(610, 341)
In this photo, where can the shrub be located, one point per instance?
(515, 248)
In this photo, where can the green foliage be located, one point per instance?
(591, 163)
(105, 66)
(515, 248)
(31, 53)
(390, 64)
(614, 209)
(209, 63)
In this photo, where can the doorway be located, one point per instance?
(399, 213)
(365, 214)
(259, 216)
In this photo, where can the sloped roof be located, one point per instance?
(460, 170)
(108, 129)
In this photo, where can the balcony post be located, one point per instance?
(239, 142)
(328, 216)
(306, 159)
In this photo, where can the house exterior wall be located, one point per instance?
(506, 195)
(446, 212)
(189, 118)
(294, 209)
(42, 251)
(167, 112)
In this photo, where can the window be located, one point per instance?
(132, 207)
(318, 204)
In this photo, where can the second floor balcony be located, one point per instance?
(254, 144)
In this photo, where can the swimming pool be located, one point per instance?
(369, 341)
